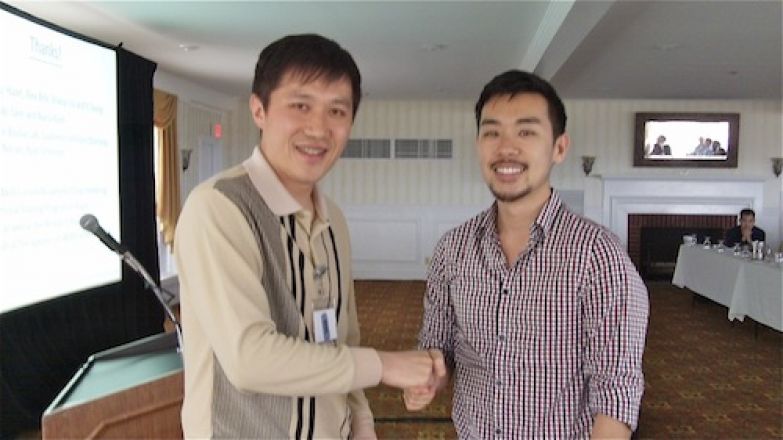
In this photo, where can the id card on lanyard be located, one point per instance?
(324, 313)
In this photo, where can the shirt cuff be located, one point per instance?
(367, 368)
(624, 412)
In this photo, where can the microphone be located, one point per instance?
(89, 223)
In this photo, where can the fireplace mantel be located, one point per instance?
(687, 176)
(684, 194)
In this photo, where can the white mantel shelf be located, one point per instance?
(684, 176)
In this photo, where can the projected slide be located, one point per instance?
(58, 160)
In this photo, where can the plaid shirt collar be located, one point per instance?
(540, 227)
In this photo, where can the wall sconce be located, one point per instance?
(185, 155)
(777, 165)
(587, 164)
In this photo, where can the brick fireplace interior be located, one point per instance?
(654, 239)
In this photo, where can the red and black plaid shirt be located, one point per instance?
(539, 348)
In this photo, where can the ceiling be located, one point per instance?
(450, 49)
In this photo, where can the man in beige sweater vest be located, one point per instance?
(271, 337)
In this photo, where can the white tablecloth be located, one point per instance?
(746, 287)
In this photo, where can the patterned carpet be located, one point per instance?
(390, 316)
(705, 377)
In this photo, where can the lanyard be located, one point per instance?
(319, 270)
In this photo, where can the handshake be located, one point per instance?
(420, 374)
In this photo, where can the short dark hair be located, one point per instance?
(308, 56)
(747, 211)
(514, 82)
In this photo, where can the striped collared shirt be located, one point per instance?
(541, 347)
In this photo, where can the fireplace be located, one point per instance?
(654, 239)
(665, 205)
(679, 199)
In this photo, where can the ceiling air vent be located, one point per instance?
(423, 148)
(367, 149)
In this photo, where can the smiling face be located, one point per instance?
(515, 147)
(304, 129)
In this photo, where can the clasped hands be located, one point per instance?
(747, 234)
(418, 397)
(419, 373)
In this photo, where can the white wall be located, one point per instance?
(396, 243)
(603, 128)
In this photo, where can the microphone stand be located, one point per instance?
(137, 267)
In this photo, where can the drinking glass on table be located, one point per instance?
(758, 249)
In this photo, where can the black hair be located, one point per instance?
(514, 82)
(747, 211)
(309, 57)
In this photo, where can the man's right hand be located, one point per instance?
(405, 369)
(417, 398)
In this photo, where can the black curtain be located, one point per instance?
(44, 344)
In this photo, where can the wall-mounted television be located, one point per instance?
(686, 140)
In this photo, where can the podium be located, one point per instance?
(131, 391)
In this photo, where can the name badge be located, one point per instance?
(325, 325)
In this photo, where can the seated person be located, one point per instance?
(703, 148)
(746, 232)
(661, 148)
(717, 150)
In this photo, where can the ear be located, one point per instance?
(561, 147)
(257, 111)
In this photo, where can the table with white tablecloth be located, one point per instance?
(747, 287)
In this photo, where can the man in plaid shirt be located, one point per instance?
(539, 312)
